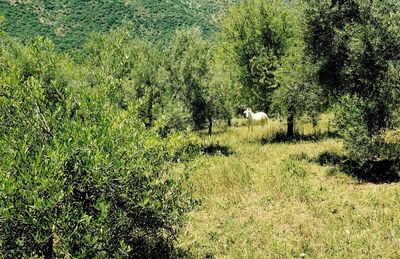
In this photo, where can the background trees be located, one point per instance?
(264, 42)
(189, 74)
(68, 24)
(195, 79)
(254, 37)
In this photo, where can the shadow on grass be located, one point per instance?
(280, 137)
(216, 149)
(177, 253)
(378, 172)
(215, 132)
(154, 246)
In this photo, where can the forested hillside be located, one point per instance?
(69, 23)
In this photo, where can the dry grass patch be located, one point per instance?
(273, 200)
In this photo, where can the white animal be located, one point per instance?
(255, 118)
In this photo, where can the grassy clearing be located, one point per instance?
(275, 200)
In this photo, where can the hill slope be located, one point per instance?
(68, 23)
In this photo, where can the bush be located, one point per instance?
(81, 177)
(176, 117)
(352, 119)
(355, 46)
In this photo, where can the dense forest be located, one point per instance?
(100, 124)
(69, 23)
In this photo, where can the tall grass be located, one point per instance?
(272, 199)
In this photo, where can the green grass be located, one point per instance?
(273, 200)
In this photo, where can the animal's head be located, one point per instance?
(247, 113)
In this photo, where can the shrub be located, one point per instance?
(362, 145)
(355, 46)
(81, 177)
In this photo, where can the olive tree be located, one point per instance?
(132, 67)
(194, 84)
(80, 175)
(356, 45)
(298, 92)
(254, 38)
(263, 40)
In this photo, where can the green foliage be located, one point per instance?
(353, 128)
(298, 93)
(1, 24)
(189, 73)
(172, 88)
(22, 21)
(195, 84)
(362, 146)
(133, 68)
(68, 23)
(356, 45)
(225, 82)
(138, 74)
(255, 36)
(94, 151)
(81, 176)
(264, 42)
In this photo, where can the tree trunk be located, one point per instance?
(290, 126)
(229, 122)
(210, 126)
